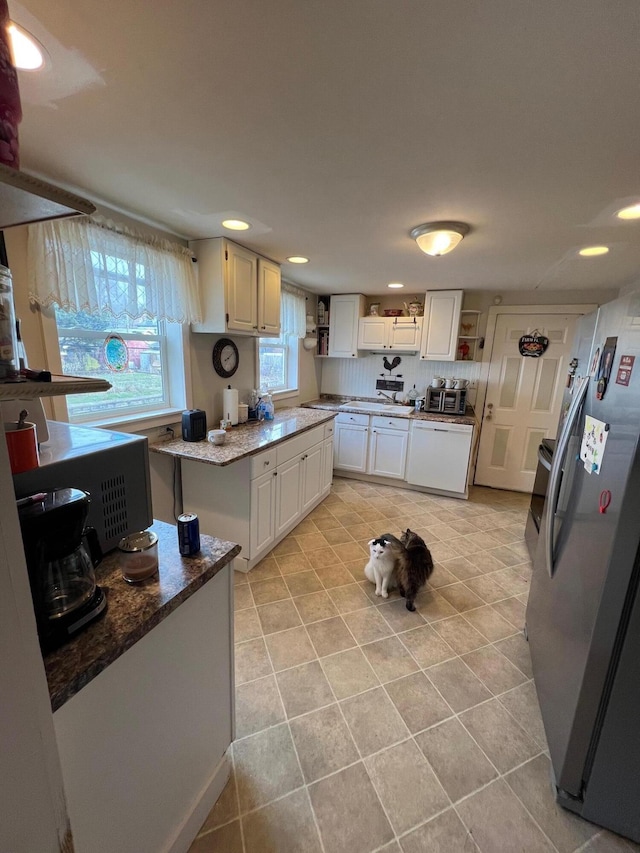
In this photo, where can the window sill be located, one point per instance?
(284, 395)
(135, 423)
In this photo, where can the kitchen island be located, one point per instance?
(258, 485)
(143, 702)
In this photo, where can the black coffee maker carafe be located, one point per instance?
(61, 556)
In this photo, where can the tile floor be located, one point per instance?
(363, 727)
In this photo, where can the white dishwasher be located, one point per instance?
(439, 455)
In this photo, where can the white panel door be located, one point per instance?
(523, 399)
(312, 476)
(350, 449)
(288, 493)
(387, 452)
(242, 299)
(263, 507)
(441, 322)
(372, 333)
(269, 285)
(327, 464)
(405, 334)
(343, 324)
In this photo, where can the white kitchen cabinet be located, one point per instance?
(288, 493)
(240, 291)
(439, 455)
(402, 334)
(312, 480)
(263, 512)
(351, 441)
(388, 440)
(441, 325)
(327, 464)
(346, 310)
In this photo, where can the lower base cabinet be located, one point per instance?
(371, 445)
(258, 500)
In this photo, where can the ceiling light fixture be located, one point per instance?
(593, 251)
(395, 284)
(438, 238)
(631, 212)
(235, 224)
(298, 259)
(27, 53)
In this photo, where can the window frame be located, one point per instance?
(292, 349)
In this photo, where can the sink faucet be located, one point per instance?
(390, 397)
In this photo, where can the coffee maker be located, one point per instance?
(61, 556)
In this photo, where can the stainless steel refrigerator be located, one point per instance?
(583, 613)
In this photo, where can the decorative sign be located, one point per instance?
(533, 345)
(594, 441)
(624, 369)
(116, 355)
(605, 367)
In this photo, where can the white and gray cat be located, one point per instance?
(406, 563)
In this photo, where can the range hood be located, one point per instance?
(25, 199)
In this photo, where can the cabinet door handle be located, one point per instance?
(267, 462)
(275, 473)
(255, 327)
(263, 327)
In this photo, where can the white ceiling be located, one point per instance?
(336, 127)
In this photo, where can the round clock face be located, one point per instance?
(225, 357)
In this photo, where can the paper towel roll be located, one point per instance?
(230, 404)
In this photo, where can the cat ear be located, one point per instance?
(371, 541)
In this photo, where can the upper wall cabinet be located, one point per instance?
(402, 334)
(240, 291)
(441, 324)
(346, 310)
(25, 199)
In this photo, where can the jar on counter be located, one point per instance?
(139, 556)
(8, 337)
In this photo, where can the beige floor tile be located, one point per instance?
(338, 536)
(312, 541)
(330, 636)
(443, 551)
(322, 559)
(442, 532)
(530, 783)
(315, 606)
(522, 704)
(266, 767)
(349, 813)
(321, 511)
(506, 555)
(349, 673)
(335, 575)
(495, 814)
(489, 623)
(240, 578)
(246, 625)
(351, 551)
(323, 742)
(348, 518)
(457, 684)
(426, 646)
(374, 721)
(459, 634)
(458, 761)
(389, 659)
(417, 700)
(408, 788)
(289, 545)
(278, 616)
(251, 660)
(226, 807)
(512, 610)
(242, 597)
(441, 577)
(487, 588)
(462, 568)
(367, 625)
(290, 564)
(307, 525)
(356, 569)
(499, 736)
(512, 581)
(225, 839)
(290, 648)
(460, 597)
(433, 607)
(494, 670)
(349, 597)
(365, 531)
(304, 688)
(516, 648)
(267, 568)
(398, 617)
(607, 842)
(286, 826)
(444, 834)
(272, 589)
(258, 706)
(327, 522)
(486, 561)
(303, 583)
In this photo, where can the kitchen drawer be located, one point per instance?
(263, 462)
(329, 429)
(350, 418)
(381, 422)
(297, 445)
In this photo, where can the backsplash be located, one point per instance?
(357, 377)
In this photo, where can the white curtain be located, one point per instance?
(293, 311)
(93, 265)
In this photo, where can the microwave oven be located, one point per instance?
(112, 466)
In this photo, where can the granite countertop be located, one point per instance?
(247, 439)
(341, 404)
(132, 609)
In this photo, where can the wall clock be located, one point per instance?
(225, 357)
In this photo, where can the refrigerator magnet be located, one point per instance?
(594, 442)
(606, 366)
(624, 369)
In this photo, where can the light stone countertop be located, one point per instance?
(247, 439)
(341, 404)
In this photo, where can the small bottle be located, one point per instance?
(321, 311)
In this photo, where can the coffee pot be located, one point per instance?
(61, 556)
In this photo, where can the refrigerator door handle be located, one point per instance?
(556, 469)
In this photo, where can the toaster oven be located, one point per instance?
(448, 401)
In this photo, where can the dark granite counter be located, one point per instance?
(247, 439)
(341, 404)
(132, 609)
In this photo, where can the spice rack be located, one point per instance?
(468, 338)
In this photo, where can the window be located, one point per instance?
(114, 295)
(278, 357)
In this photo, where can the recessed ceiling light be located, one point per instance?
(395, 284)
(593, 251)
(298, 259)
(27, 53)
(235, 224)
(631, 212)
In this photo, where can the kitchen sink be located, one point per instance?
(386, 408)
